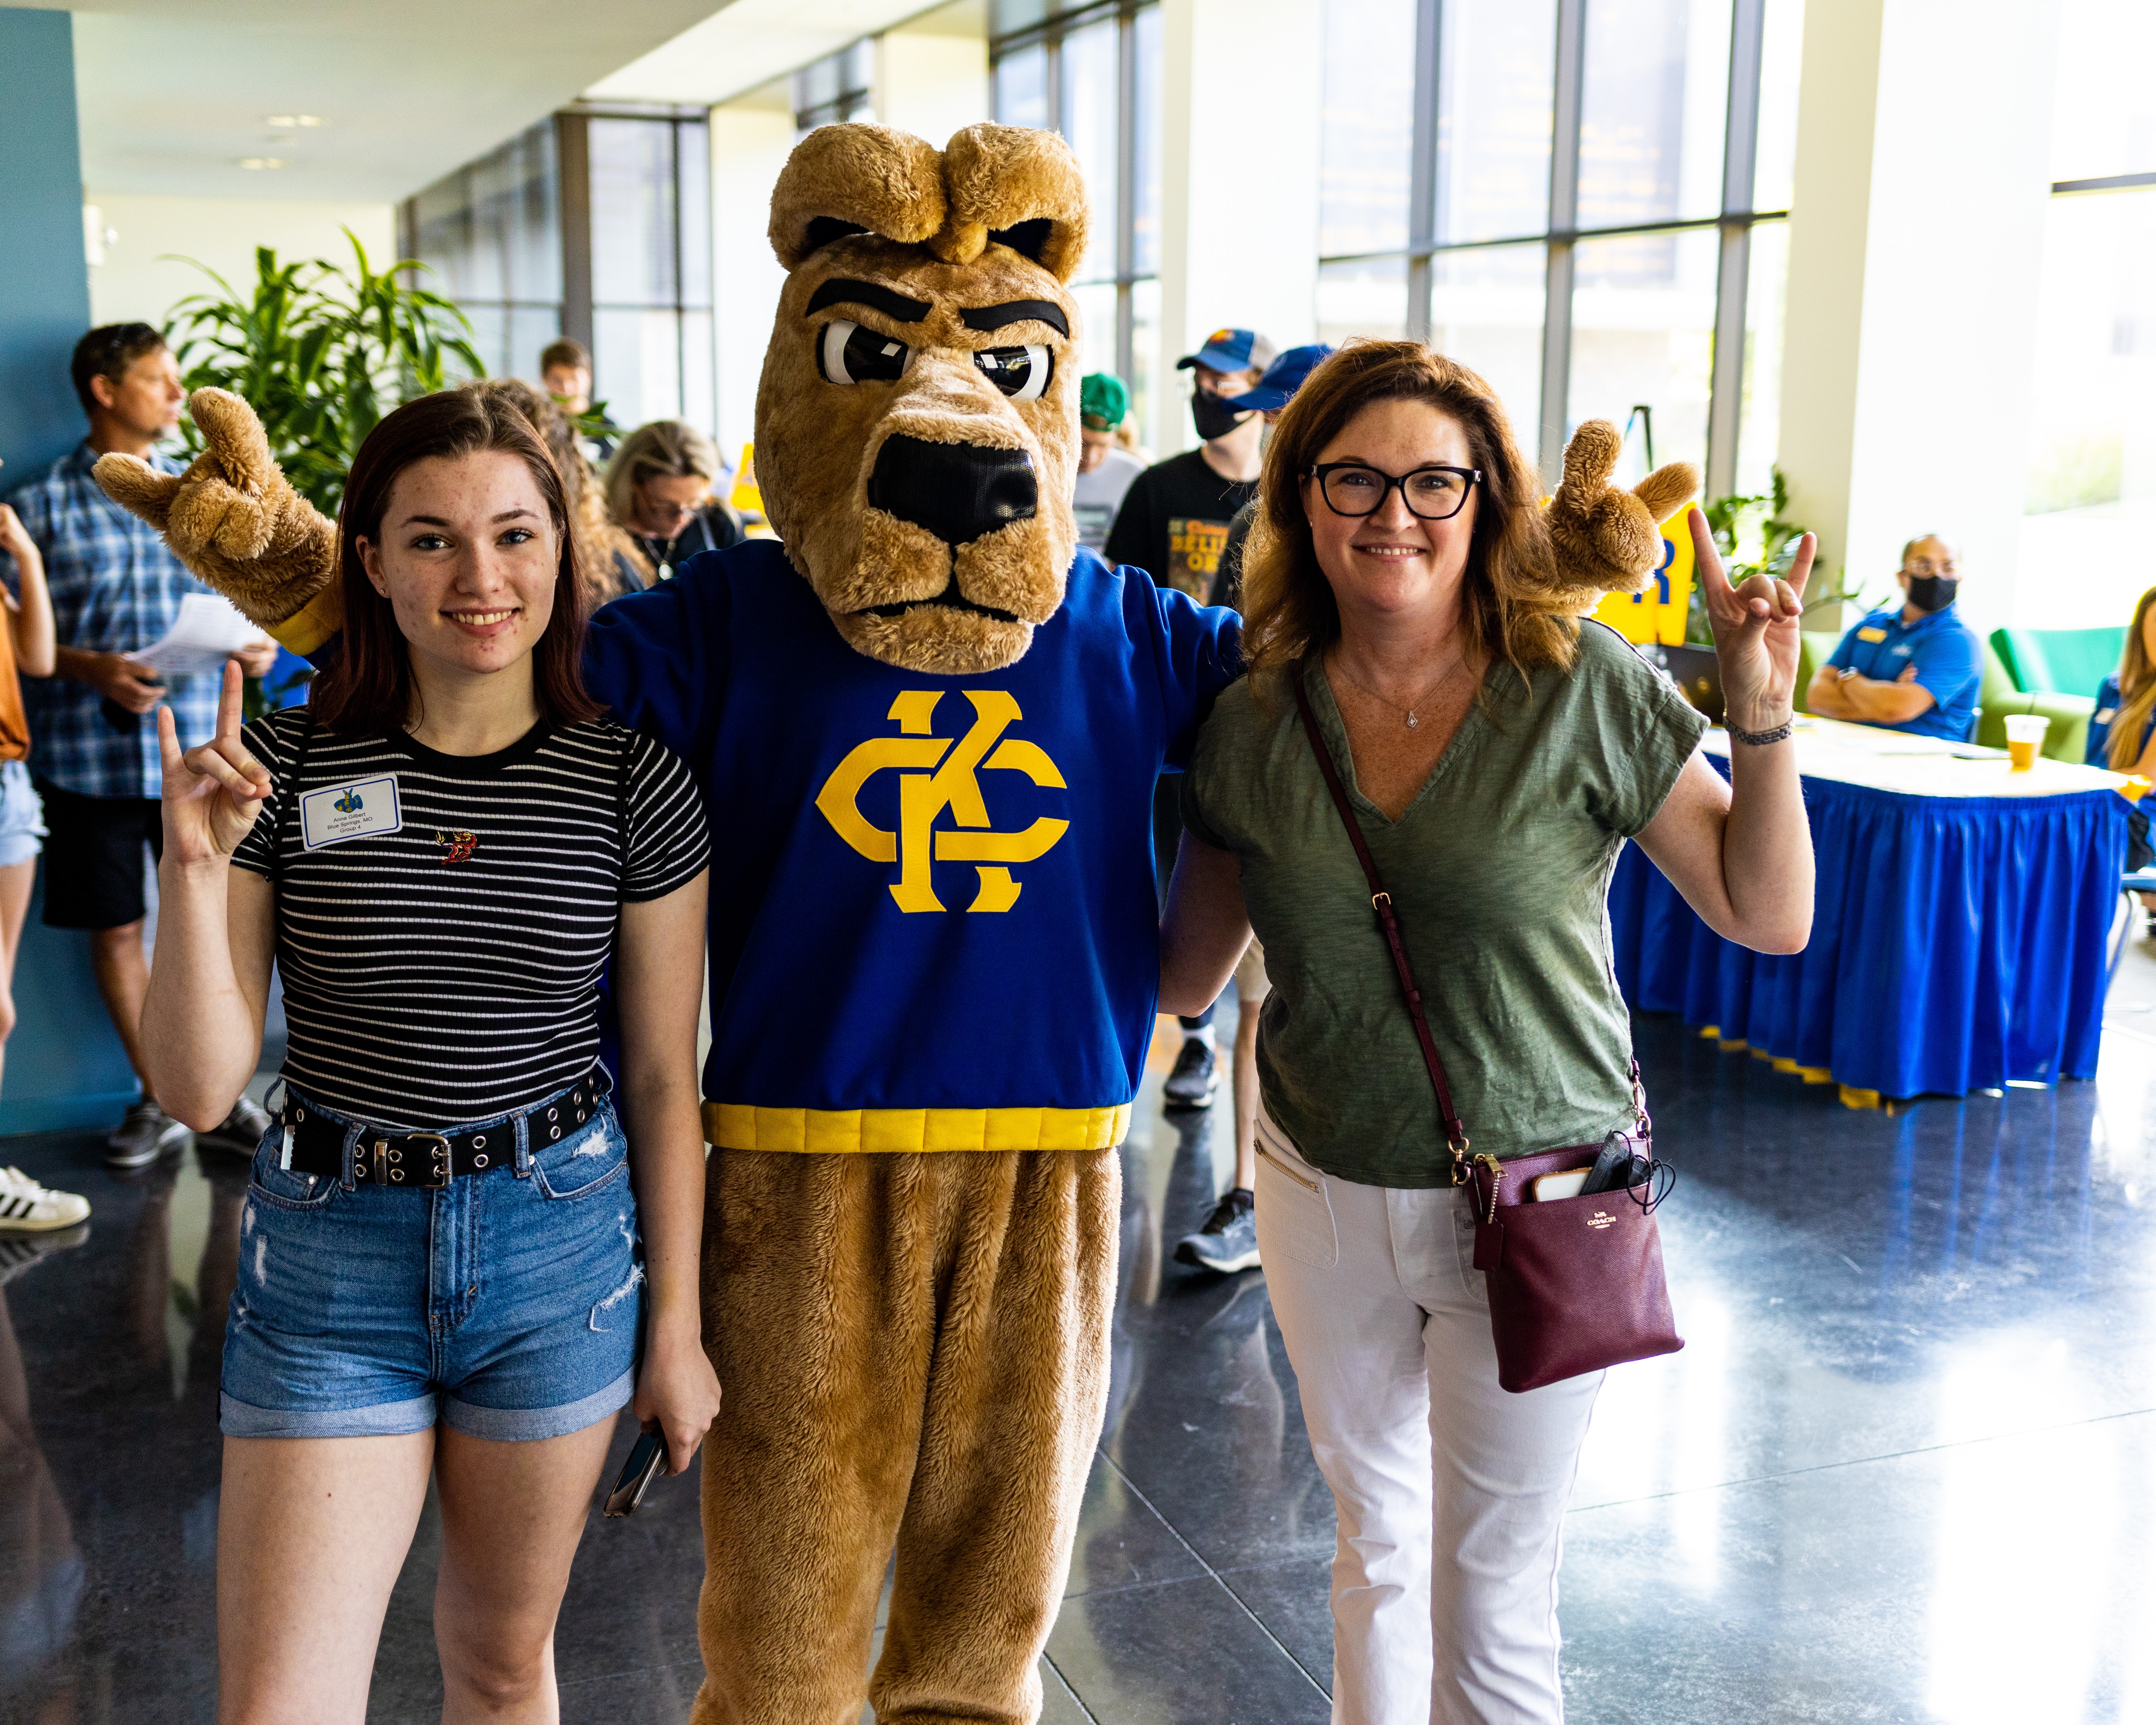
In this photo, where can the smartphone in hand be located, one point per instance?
(643, 1466)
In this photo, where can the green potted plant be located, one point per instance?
(321, 352)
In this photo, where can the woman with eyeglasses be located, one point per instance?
(658, 487)
(1498, 751)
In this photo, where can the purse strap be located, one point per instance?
(1381, 901)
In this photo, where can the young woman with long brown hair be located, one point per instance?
(2122, 732)
(2122, 729)
(440, 1271)
(1499, 751)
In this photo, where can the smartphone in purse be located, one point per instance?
(1618, 1169)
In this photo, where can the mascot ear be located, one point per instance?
(1011, 186)
(850, 179)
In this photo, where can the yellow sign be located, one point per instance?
(747, 496)
(942, 777)
(1657, 612)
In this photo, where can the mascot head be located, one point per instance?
(916, 425)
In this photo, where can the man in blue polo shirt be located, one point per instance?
(1914, 667)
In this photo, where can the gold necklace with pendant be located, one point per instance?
(1428, 689)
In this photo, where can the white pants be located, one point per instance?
(1388, 1326)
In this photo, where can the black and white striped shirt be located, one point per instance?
(443, 921)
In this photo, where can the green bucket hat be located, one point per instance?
(1102, 401)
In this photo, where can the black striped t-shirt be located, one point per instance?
(441, 938)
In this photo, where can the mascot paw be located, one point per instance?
(1607, 540)
(232, 518)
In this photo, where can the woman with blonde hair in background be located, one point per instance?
(2122, 732)
(1402, 579)
(659, 488)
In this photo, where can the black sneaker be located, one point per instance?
(240, 1130)
(145, 1133)
(1229, 1240)
(1196, 1076)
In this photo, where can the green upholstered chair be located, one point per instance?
(2067, 738)
(2065, 661)
(1817, 647)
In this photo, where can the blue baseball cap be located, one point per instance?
(1282, 379)
(1231, 351)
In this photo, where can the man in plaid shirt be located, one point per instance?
(116, 588)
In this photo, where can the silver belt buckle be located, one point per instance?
(438, 1157)
(389, 1167)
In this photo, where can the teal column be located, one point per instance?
(45, 285)
(64, 1066)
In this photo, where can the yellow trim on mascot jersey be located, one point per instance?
(826, 1131)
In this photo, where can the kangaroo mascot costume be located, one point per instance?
(928, 728)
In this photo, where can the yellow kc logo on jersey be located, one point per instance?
(936, 774)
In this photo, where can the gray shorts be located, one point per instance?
(22, 815)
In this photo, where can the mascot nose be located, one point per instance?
(957, 492)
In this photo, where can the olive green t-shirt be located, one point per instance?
(1499, 872)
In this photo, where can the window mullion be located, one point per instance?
(1563, 219)
(1422, 169)
(1725, 409)
(1127, 190)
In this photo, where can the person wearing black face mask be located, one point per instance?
(1174, 524)
(1173, 521)
(1914, 667)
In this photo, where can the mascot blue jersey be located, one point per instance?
(933, 922)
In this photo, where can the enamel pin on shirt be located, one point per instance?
(357, 810)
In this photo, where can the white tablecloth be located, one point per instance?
(1922, 766)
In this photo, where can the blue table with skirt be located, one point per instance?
(1958, 934)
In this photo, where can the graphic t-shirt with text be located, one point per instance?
(1174, 523)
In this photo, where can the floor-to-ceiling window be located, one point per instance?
(649, 180)
(1585, 200)
(836, 87)
(490, 234)
(1092, 72)
(2091, 503)
(595, 223)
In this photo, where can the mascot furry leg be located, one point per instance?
(914, 1349)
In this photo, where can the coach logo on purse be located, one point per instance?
(1600, 1220)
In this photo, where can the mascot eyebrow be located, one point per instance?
(840, 290)
(994, 317)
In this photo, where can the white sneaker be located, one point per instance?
(28, 1208)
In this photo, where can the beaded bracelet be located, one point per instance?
(1760, 739)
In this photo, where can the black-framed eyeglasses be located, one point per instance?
(1354, 489)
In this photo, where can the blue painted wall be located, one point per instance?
(45, 285)
(64, 1066)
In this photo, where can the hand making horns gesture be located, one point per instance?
(1756, 627)
(212, 793)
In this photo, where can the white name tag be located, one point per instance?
(349, 811)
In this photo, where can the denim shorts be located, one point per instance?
(22, 814)
(508, 1305)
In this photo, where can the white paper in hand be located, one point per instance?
(209, 630)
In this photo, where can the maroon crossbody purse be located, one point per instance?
(1575, 1284)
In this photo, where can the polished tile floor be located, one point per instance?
(1905, 1470)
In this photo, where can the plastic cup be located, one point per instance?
(2025, 737)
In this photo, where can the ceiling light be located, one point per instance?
(292, 120)
(261, 162)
